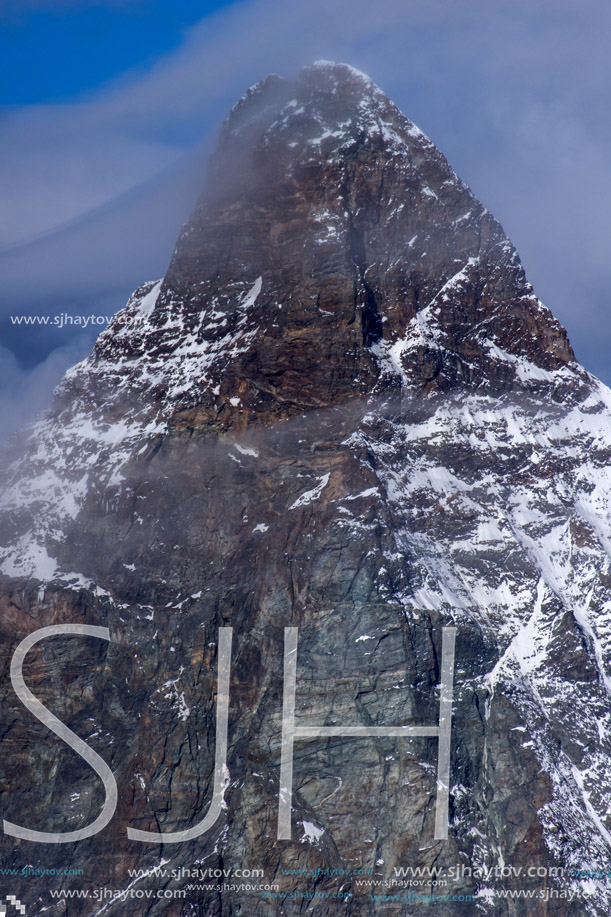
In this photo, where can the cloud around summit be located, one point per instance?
(516, 95)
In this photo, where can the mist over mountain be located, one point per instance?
(342, 410)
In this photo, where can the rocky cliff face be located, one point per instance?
(344, 410)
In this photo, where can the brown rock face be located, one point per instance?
(331, 230)
(342, 410)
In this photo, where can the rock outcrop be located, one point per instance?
(344, 410)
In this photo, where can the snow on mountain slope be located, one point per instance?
(344, 406)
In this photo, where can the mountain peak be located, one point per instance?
(330, 104)
(342, 410)
(330, 74)
(334, 253)
(338, 70)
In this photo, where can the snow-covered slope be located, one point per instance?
(344, 406)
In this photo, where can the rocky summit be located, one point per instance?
(340, 434)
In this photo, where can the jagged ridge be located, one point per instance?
(451, 466)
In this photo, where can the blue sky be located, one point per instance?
(56, 51)
(110, 107)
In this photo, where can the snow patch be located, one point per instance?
(311, 833)
(313, 494)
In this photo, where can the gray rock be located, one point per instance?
(343, 409)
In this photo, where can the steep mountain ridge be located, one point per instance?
(343, 409)
(345, 218)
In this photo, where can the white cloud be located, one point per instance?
(475, 67)
(24, 394)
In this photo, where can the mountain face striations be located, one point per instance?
(343, 410)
